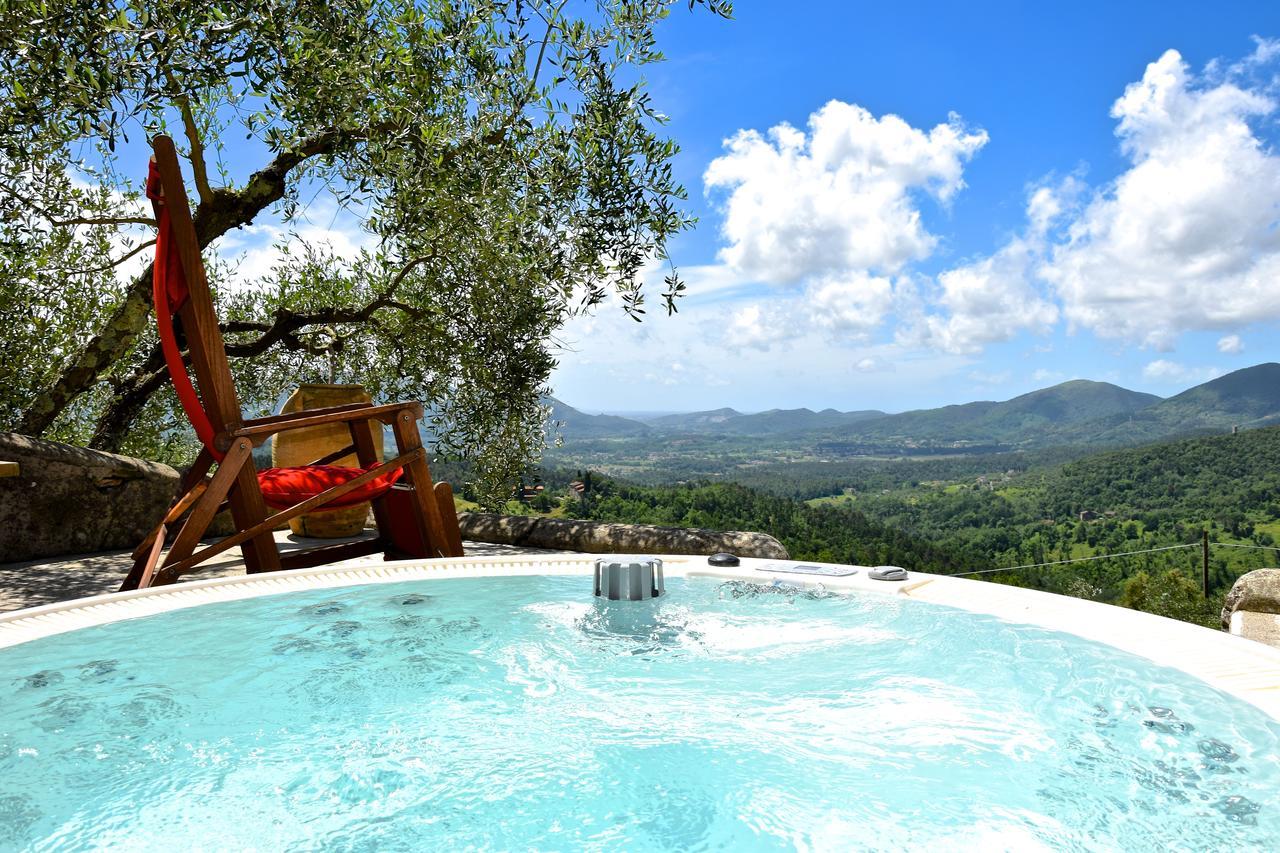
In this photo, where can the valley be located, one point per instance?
(1081, 469)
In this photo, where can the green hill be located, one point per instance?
(782, 421)
(573, 424)
(1221, 475)
(694, 421)
(1245, 398)
(770, 423)
(1077, 413)
(1039, 417)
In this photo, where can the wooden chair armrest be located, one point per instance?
(258, 431)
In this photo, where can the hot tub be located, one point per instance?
(474, 703)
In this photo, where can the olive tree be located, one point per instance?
(504, 159)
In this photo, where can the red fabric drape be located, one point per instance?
(169, 293)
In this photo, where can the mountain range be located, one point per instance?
(1075, 412)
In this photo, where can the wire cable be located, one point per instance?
(1080, 560)
(1238, 545)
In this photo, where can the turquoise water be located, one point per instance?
(516, 713)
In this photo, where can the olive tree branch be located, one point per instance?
(132, 392)
(196, 155)
(542, 48)
(112, 264)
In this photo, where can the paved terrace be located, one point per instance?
(56, 579)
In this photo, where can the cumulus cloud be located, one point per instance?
(752, 327)
(838, 199)
(1187, 237)
(1163, 370)
(1265, 51)
(993, 298)
(850, 307)
(987, 301)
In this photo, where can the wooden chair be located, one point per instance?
(414, 517)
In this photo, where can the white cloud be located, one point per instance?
(124, 240)
(1230, 344)
(751, 327)
(1186, 238)
(609, 362)
(1163, 370)
(1265, 51)
(987, 301)
(256, 249)
(701, 280)
(838, 199)
(993, 298)
(850, 308)
(871, 364)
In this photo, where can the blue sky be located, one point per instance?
(930, 203)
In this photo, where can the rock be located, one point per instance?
(596, 537)
(71, 500)
(1257, 591)
(1252, 608)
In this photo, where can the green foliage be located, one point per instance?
(1171, 594)
(504, 157)
(828, 534)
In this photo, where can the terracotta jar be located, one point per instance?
(299, 447)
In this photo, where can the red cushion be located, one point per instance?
(284, 487)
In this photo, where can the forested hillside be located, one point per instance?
(833, 534)
(1005, 510)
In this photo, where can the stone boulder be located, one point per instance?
(71, 500)
(1252, 607)
(597, 537)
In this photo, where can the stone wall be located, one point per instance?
(595, 537)
(70, 500)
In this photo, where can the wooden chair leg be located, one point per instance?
(249, 510)
(191, 486)
(206, 506)
(145, 559)
(148, 566)
(449, 517)
(175, 512)
(367, 454)
(405, 428)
